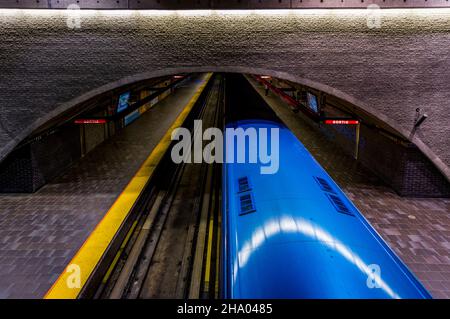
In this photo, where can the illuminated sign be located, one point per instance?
(90, 121)
(313, 104)
(341, 122)
(131, 117)
(123, 101)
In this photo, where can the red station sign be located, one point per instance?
(90, 121)
(341, 122)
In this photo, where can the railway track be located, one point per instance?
(172, 247)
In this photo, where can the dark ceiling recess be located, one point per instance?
(220, 4)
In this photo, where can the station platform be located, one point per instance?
(40, 233)
(417, 229)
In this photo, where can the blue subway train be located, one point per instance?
(294, 234)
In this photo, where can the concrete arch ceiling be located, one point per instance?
(389, 71)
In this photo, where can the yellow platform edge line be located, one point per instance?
(71, 281)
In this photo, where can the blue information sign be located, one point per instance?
(123, 101)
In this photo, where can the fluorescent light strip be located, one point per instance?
(265, 12)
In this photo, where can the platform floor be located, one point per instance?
(41, 232)
(418, 229)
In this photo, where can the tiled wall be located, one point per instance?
(400, 165)
(31, 166)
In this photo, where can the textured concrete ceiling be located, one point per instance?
(48, 67)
